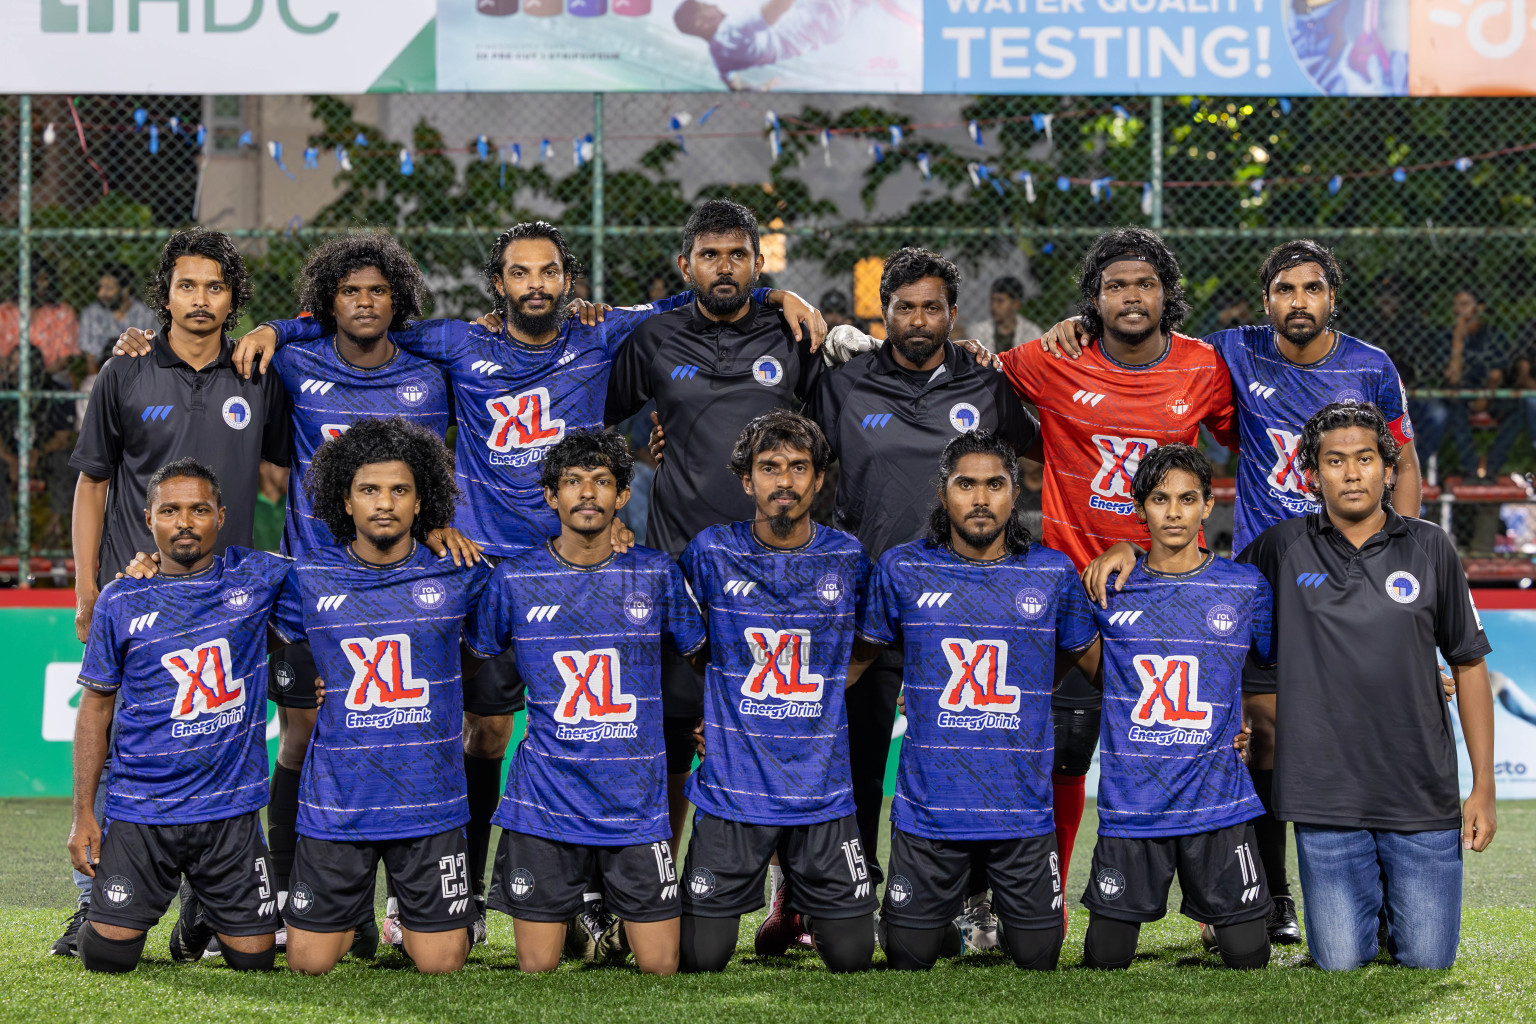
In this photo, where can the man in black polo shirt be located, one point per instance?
(888, 415)
(1365, 755)
(712, 367)
(186, 401)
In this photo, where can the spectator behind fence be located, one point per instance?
(836, 310)
(1230, 307)
(1516, 416)
(115, 310)
(1477, 356)
(1005, 328)
(54, 328)
(53, 436)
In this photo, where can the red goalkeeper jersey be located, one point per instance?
(1098, 417)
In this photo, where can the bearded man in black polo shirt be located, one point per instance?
(1365, 756)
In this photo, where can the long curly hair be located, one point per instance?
(491, 270)
(587, 449)
(1131, 243)
(330, 262)
(213, 245)
(979, 442)
(367, 443)
(1339, 416)
(779, 429)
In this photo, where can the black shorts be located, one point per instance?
(1219, 873)
(291, 675)
(225, 862)
(1077, 737)
(682, 689)
(926, 881)
(497, 689)
(1076, 691)
(682, 749)
(331, 887)
(727, 865)
(538, 879)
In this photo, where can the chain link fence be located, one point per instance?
(1420, 199)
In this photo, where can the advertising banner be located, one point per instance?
(1466, 48)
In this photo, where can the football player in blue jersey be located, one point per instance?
(782, 597)
(988, 619)
(1172, 793)
(585, 803)
(185, 652)
(1283, 373)
(384, 777)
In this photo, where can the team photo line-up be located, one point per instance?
(753, 660)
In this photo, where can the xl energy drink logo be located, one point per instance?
(308, 17)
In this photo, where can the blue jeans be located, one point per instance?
(1515, 417)
(1433, 418)
(1347, 873)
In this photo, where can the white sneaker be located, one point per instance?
(977, 924)
(390, 931)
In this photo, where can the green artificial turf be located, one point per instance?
(1172, 980)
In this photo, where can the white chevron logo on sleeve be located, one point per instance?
(485, 366)
(330, 602)
(318, 387)
(1088, 398)
(1261, 389)
(934, 599)
(740, 588)
(542, 612)
(141, 622)
(1124, 618)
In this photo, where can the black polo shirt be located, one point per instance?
(146, 412)
(710, 378)
(888, 427)
(1363, 735)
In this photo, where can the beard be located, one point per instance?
(589, 531)
(382, 540)
(916, 347)
(724, 302)
(1137, 337)
(979, 532)
(541, 323)
(186, 557)
(1299, 332)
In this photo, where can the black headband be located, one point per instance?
(1120, 257)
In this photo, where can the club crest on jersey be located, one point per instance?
(117, 890)
(1349, 395)
(1111, 883)
(520, 885)
(382, 677)
(638, 608)
(1170, 695)
(1180, 405)
(899, 890)
(1221, 619)
(830, 588)
(1031, 602)
(1118, 459)
(781, 667)
(237, 599)
(523, 421)
(767, 371)
(1403, 588)
(237, 412)
(428, 594)
(964, 416)
(594, 692)
(978, 682)
(412, 391)
(205, 686)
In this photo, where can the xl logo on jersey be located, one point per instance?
(594, 689)
(1118, 459)
(203, 682)
(978, 677)
(523, 421)
(331, 431)
(1284, 476)
(382, 675)
(1170, 692)
(782, 666)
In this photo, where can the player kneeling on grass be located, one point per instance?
(985, 615)
(186, 653)
(586, 800)
(1173, 795)
(782, 596)
(384, 778)
(1365, 756)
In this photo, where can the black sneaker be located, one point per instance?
(65, 945)
(192, 933)
(365, 940)
(1283, 929)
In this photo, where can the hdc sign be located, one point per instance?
(217, 15)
